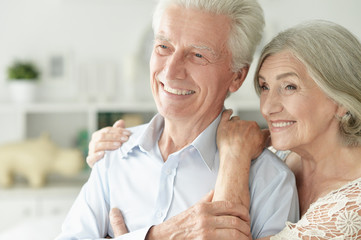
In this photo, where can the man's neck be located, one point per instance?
(177, 135)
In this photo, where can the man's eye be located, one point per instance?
(198, 58)
(163, 50)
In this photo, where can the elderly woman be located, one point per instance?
(309, 82)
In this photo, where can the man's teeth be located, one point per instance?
(177, 91)
(282, 124)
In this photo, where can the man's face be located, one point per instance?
(190, 65)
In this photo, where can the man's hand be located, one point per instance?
(117, 222)
(108, 138)
(206, 220)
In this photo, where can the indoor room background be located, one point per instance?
(92, 56)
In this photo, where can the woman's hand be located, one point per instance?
(238, 138)
(108, 138)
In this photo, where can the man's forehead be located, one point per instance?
(197, 27)
(204, 46)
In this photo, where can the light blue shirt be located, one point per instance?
(148, 190)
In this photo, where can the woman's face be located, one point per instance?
(298, 113)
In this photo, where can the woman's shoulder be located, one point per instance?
(337, 214)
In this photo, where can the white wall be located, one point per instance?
(281, 14)
(88, 32)
(99, 37)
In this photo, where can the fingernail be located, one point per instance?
(116, 143)
(124, 138)
(125, 132)
(100, 153)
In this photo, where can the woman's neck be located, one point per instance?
(320, 171)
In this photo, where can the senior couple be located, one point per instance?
(196, 172)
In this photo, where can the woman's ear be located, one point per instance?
(238, 80)
(341, 111)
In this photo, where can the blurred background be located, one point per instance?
(90, 59)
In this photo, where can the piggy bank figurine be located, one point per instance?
(34, 159)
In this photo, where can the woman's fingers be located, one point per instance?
(106, 139)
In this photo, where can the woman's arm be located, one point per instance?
(238, 143)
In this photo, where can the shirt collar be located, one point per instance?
(206, 144)
(144, 136)
(147, 135)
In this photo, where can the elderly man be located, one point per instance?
(202, 52)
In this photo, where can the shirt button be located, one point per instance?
(168, 171)
(159, 214)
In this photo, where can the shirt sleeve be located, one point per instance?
(274, 198)
(88, 218)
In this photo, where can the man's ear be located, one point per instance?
(238, 80)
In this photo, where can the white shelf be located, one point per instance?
(17, 121)
(76, 107)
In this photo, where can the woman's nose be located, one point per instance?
(270, 103)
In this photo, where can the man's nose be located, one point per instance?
(175, 68)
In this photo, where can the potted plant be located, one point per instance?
(23, 77)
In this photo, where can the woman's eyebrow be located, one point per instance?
(280, 76)
(285, 75)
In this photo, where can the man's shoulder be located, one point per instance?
(269, 172)
(269, 162)
(117, 154)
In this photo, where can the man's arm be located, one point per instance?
(88, 217)
(274, 195)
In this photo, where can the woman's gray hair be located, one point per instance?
(332, 56)
(247, 23)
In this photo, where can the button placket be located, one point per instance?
(166, 189)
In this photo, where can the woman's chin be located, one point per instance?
(280, 147)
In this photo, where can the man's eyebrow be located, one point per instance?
(204, 47)
(200, 47)
(161, 37)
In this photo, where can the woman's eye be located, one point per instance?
(263, 87)
(290, 87)
(198, 55)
